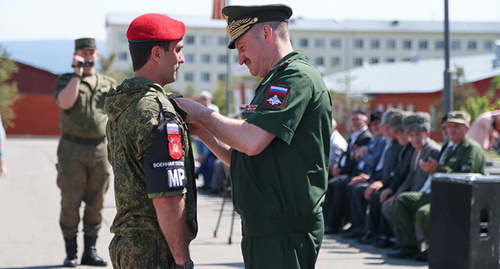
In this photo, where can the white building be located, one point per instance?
(331, 45)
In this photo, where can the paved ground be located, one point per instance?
(30, 237)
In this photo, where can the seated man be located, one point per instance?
(417, 126)
(464, 155)
(335, 207)
(388, 163)
(367, 170)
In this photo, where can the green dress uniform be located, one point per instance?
(411, 207)
(279, 193)
(150, 151)
(83, 167)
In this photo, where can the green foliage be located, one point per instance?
(8, 89)
(118, 75)
(476, 105)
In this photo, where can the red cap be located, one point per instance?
(155, 27)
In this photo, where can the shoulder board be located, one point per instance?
(285, 64)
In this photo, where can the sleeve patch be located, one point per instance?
(174, 141)
(276, 96)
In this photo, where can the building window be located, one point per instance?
(319, 61)
(358, 62)
(358, 43)
(423, 44)
(189, 76)
(189, 58)
(206, 40)
(472, 45)
(205, 58)
(122, 38)
(391, 44)
(335, 61)
(406, 60)
(373, 60)
(439, 45)
(319, 43)
(222, 59)
(406, 44)
(189, 39)
(303, 43)
(374, 44)
(488, 45)
(221, 76)
(390, 60)
(222, 41)
(205, 77)
(335, 43)
(410, 107)
(380, 107)
(122, 56)
(456, 45)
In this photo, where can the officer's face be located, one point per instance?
(358, 122)
(418, 138)
(88, 55)
(251, 54)
(173, 58)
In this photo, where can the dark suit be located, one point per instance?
(336, 204)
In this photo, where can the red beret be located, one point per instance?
(155, 27)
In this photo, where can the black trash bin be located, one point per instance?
(464, 222)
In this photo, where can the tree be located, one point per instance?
(477, 105)
(8, 88)
(106, 69)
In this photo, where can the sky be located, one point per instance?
(70, 19)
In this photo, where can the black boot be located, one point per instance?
(70, 260)
(89, 256)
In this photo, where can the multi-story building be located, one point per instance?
(331, 45)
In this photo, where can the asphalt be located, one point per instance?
(30, 236)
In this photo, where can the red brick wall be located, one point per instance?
(36, 115)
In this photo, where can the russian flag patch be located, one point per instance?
(276, 96)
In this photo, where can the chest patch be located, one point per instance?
(174, 141)
(276, 96)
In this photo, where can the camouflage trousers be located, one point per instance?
(297, 250)
(140, 252)
(410, 208)
(83, 176)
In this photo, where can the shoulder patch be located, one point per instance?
(276, 96)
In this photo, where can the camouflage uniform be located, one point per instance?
(83, 168)
(138, 111)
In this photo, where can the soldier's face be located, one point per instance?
(456, 131)
(172, 60)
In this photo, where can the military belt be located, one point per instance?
(82, 140)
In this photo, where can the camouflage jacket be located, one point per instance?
(134, 109)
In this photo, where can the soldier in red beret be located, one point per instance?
(150, 151)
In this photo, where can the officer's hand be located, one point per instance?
(375, 186)
(76, 59)
(191, 107)
(389, 201)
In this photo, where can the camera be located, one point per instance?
(85, 64)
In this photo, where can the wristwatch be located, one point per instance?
(188, 265)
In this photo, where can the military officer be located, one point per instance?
(150, 151)
(278, 154)
(83, 169)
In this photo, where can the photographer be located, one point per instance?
(83, 169)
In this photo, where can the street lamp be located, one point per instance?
(447, 90)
